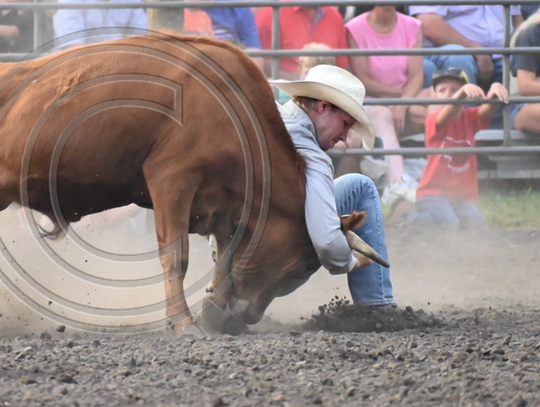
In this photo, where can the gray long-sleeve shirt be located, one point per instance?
(322, 219)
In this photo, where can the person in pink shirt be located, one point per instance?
(395, 76)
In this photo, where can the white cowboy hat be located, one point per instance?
(339, 87)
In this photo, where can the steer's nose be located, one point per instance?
(233, 319)
(243, 310)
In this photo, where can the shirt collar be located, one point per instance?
(320, 10)
(298, 113)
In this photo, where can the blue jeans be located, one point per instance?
(369, 285)
(434, 63)
(445, 212)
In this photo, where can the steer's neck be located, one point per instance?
(9, 77)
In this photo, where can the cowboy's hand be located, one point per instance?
(499, 91)
(361, 260)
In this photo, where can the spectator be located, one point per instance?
(525, 75)
(391, 77)
(449, 186)
(72, 21)
(16, 30)
(299, 26)
(528, 10)
(458, 27)
(197, 22)
(236, 25)
(308, 62)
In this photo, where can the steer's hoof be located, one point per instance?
(219, 320)
(193, 331)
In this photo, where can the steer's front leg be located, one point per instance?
(174, 260)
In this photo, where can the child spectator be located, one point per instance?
(16, 30)
(308, 62)
(449, 185)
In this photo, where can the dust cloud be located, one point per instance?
(105, 276)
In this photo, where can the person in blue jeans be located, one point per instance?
(461, 27)
(325, 107)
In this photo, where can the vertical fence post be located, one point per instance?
(506, 73)
(275, 41)
(166, 19)
(37, 27)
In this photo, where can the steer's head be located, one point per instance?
(283, 260)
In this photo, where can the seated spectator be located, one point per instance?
(16, 30)
(78, 21)
(394, 76)
(300, 26)
(525, 76)
(458, 27)
(528, 10)
(197, 22)
(449, 186)
(236, 25)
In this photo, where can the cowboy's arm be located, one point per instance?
(322, 220)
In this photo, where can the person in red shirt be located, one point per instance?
(449, 187)
(197, 22)
(299, 26)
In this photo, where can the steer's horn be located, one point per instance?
(356, 243)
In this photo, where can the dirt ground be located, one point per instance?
(466, 333)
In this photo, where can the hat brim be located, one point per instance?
(316, 90)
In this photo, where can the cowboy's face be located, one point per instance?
(331, 124)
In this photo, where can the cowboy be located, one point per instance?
(326, 107)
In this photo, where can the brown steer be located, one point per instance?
(183, 125)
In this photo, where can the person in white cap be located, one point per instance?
(325, 107)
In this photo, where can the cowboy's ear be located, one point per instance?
(323, 105)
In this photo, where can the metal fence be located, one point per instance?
(275, 53)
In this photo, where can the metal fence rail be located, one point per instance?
(276, 53)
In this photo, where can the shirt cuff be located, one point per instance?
(347, 268)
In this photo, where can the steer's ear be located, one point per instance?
(352, 221)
